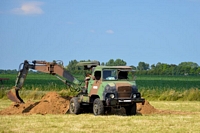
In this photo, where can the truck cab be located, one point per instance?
(110, 86)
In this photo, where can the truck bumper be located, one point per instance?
(124, 101)
(138, 100)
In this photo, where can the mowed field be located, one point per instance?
(185, 118)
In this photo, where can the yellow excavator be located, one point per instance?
(54, 68)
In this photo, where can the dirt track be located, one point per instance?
(53, 103)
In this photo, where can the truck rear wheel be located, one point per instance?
(74, 106)
(131, 110)
(98, 107)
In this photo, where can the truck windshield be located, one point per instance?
(116, 74)
(110, 74)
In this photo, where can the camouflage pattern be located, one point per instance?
(112, 90)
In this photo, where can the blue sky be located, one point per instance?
(151, 31)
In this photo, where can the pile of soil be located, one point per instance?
(147, 108)
(142, 109)
(53, 103)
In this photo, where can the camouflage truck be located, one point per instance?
(108, 87)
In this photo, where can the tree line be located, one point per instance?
(184, 68)
(143, 68)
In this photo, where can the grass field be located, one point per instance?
(178, 83)
(41, 81)
(169, 88)
(88, 123)
(44, 81)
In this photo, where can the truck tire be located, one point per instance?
(98, 107)
(74, 107)
(131, 110)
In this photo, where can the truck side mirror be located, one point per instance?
(93, 77)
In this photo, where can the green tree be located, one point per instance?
(153, 66)
(72, 65)
(120, 62)
(188, 64)
(111, 62)
(117, 62)
(188, 68)
(133, 67)
(142, 66)
(102, 64)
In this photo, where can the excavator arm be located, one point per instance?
(52, 68)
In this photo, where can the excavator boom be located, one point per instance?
(52, 68)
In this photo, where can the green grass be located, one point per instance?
(46, 81)
(188, 106)
(43, 82)
(88, 123)
(36, 94)
(169, 88)
(168, 82)
(191, 94)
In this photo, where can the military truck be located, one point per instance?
(108, 87)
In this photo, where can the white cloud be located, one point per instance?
(29, 8)
(110, 31)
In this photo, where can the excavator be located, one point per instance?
(54, 68)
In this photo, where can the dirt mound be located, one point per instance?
(147, 108)
(18, 108)
(53, 103)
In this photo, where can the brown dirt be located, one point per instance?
(147, 108)
(53, 103)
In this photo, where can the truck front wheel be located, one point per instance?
(74, 106)
(98, 107)
(131, 110)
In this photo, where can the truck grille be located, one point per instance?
(124, 91)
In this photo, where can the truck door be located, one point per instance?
(94, 83)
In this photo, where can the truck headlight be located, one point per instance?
(134, 96)
(112, 96)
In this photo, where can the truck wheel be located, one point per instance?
(74, 106)
(98, 107)
(131, 110)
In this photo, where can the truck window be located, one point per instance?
(109, 74)
(123, 75)
(97, 75)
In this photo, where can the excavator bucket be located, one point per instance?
(13, 95)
